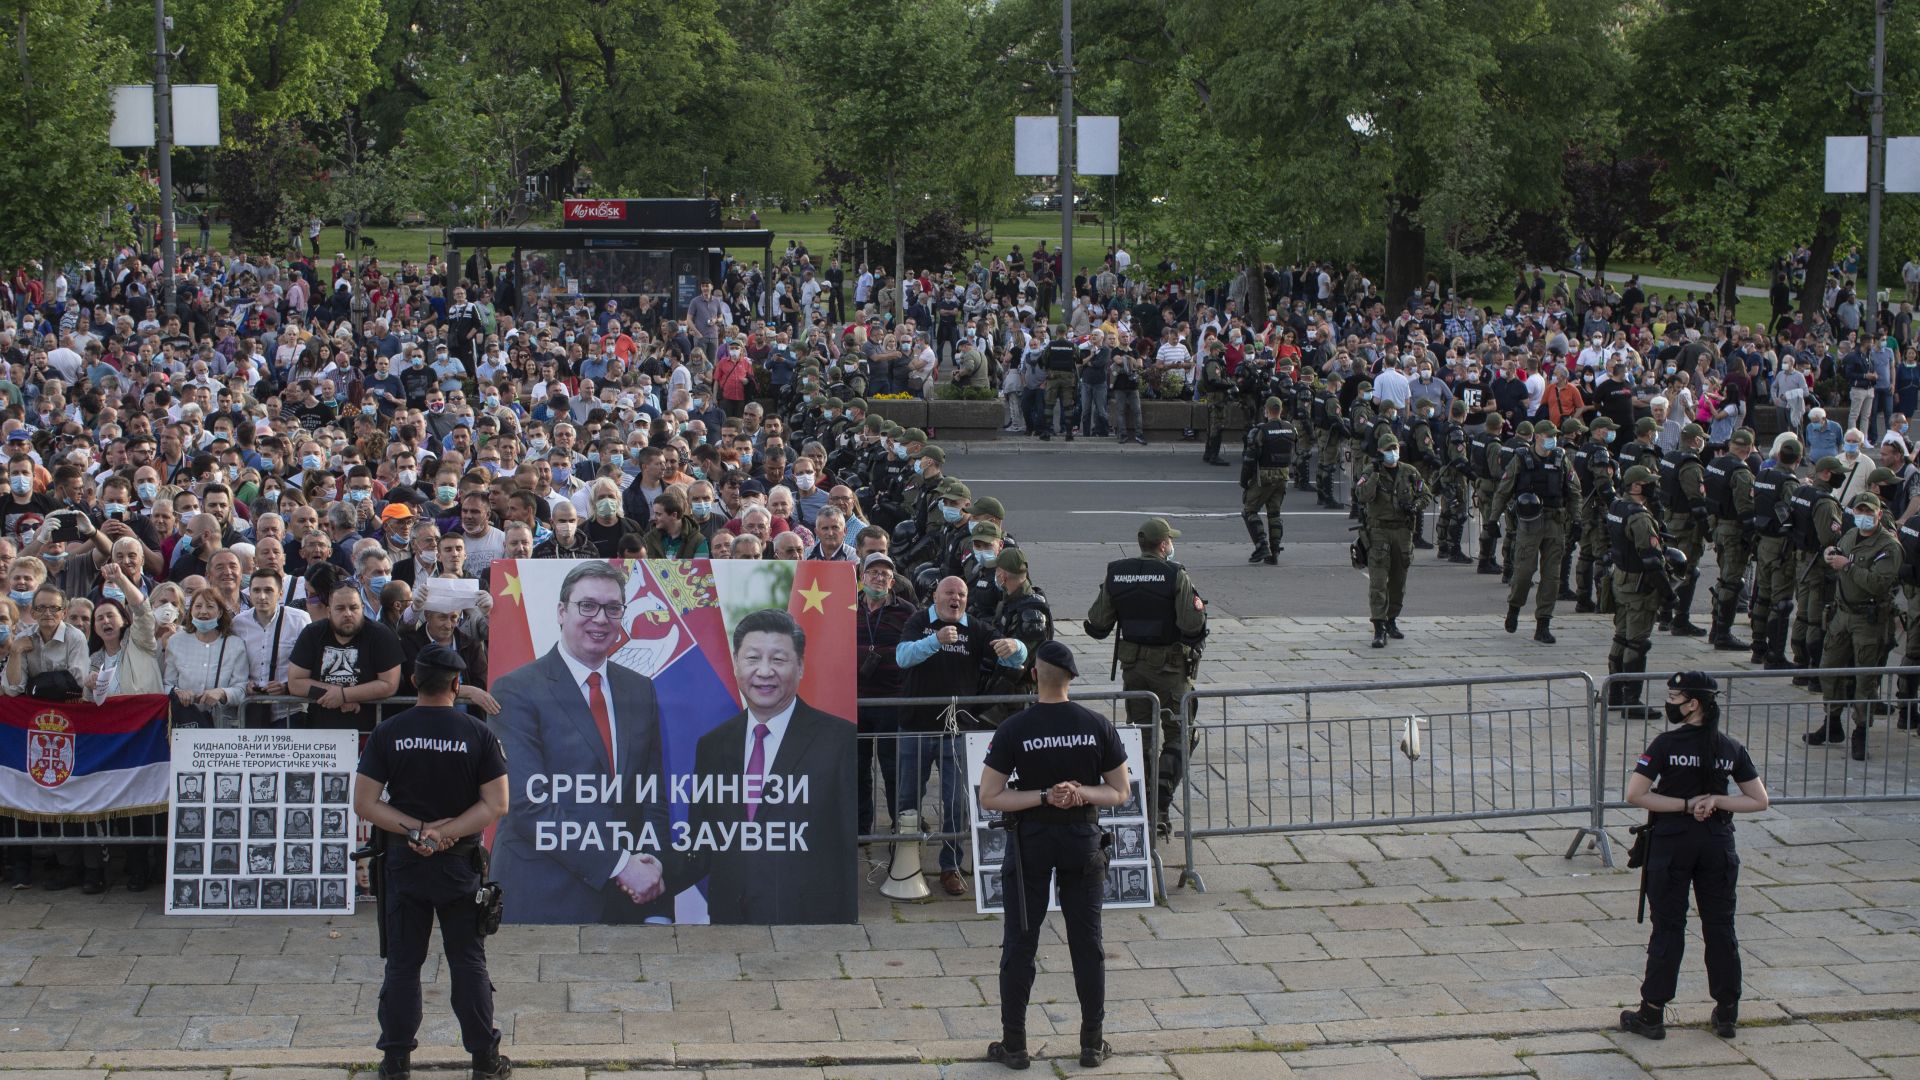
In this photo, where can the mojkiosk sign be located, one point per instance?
(594, 211)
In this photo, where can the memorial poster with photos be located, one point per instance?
(1129, 881)
(261, 822)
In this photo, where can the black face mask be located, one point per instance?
(1674, 715)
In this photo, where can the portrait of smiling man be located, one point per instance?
(805, 870)
(573, 713)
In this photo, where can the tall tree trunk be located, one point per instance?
(1406, 253)
(899, 269)
(1729, 287)
(1826, 238)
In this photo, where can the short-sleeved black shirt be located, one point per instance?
(433, 760)
(1676, 762)
(372, 650)
(1050, 742)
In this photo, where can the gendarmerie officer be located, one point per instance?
(1681, 781)
(1163, 626)
(1271, 444)
(1047, 771)
(1638, 586)
(1865, 564)
(445, 779)
(1683, 497)
(1544, 493)
(1773, 562)
(1729, 480)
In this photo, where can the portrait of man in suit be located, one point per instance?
(776, 738)
(570, 713)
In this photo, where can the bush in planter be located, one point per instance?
(954, 392)
(1169, 385)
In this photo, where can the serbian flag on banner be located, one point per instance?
(71, 761)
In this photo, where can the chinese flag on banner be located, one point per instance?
(822, 602)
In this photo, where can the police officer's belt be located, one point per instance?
(1053, 815)
(1869, 609)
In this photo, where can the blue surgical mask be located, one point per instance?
(359, 495)
(1390, 457)
(920, 467)
(116, 509)
(205, 625)
(113, 592)
(900, 449)
(1549, 444)
(24, 599)
(1852, 447)
(445, 493)
(312, 462)
(378, 583)
(951, 513)
(985, 557)
(1865, 522)
(491, 400)
(702, 509)
(5, 633)
(562, 474)
(368, 410)
(20, 485)
(1606, 435)
(147, 491)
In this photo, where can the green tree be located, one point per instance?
(62, 188)
(1737, 96)
(470, 147)
(889, 79)
(1214, 210)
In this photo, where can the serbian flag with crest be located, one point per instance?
(75, 761)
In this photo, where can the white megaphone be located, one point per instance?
(904, 879)
(1410, 738)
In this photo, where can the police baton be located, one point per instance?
(375, 855)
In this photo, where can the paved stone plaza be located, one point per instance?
(1438, 950)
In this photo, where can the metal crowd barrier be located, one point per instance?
(1276, 759)
(1767, 714)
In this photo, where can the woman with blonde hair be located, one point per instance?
(206, 665)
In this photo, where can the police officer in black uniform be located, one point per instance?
(1047, 771)
(445, 780)
(1681, 781)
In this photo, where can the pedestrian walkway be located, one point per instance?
(1439, 950)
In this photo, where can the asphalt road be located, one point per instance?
(1074, 508)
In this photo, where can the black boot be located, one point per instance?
(1257, 532)
(1276, 533)
(1722, 638)
(1632, 707)
(1646, 1021)
(1831, 733)
(1811, 682)
(396, 1065)
(493, 1066)
(1858, 743)
(1459, 554)
(1513, 619)
(1908, 691)
(1683, 625)
(1379, 633)
(1486, 563)
(1213, 451)
(1724, 1019)
(1540, 632)
(1420, 542)
(1009, 1053)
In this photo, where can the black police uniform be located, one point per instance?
(1038, 747)
(1697, 857)
(433, 761)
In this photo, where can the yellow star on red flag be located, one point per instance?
(511, 590)
(815, 597)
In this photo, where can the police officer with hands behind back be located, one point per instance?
(1047, 771)
(1681, 781)
(445, 780)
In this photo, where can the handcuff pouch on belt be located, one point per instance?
(489, 897)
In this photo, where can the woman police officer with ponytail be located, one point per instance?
(1681, 781)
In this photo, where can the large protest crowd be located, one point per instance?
(265, 499)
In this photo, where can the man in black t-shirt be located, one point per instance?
(1681, 781)
(343, 661)
(1048, 769)
(444, 776)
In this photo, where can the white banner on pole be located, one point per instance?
(196, 115)
(1096, 142)
(1036, 146)
(1903, 165)
(132, 116)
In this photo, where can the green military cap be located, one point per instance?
(1495, 422)
(987, 530)
(1012, 560)
(1273, 403)
(934, 452)
(988, 506)
(914, 434)
(1693, 431)
(1154, 530)
(1525, 430)
(1880, 476)
(1459, 408)
(1605, 423)
(1741, 437)
(858, 403)
(1830, 463)
(1388, 442)
(1572, 426)
(1645, 424)
(1365, 383)
(1335, 377)
(876, 422)
(1639, 474)
(954, 489)
(835, 403)
(1867, 501)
